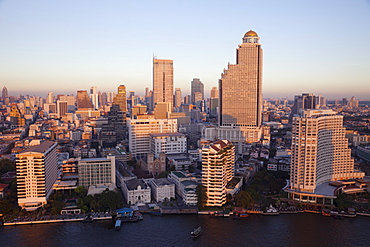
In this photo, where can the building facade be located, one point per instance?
(37, 170)
(320, 154)
(162, 189)
(140, 130)
(197, 90)
(218, 161)
(168, 143)
(163, 81)
(94, 171)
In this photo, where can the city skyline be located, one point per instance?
(313, 47)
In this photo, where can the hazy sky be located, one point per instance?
(315, 46)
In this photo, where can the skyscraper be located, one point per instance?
(50, 98)
(94, 96)
(320, 155)
(214, 93)
(120, 98)
(197, 90)
(241, 86)
(301, 102)
(177, 98)
(162, 81)
(4, 94)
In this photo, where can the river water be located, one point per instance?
(302, 229)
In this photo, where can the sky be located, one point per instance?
(320, 47)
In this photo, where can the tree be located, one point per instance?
(6, 165)
(244, 199)
(81, 191)
(202, 196)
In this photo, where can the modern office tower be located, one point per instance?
(241, 86)
(214, 93)
(50, 98)
(62, 108)
(69, 98)
(344, 102)
(320, 155)
(163, 81)
(120, 98)
(138, 110)
(197, 90)
(104, 99)
(302, 102)
(110, 97)
(4, 94)
(37, 170)
(96, 171)
(94, 96)
(83, 100)
(177, 99)
(162, 110)
(218, 160)
(16, 117)
(140, 130)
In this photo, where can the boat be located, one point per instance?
(117, 226)
(196, 232)
(243, 215)
(325, 213)
(271, 211)
(155, 213)
(138, 215)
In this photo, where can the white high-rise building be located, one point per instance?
(37, 171)
(140, 130)
(320, 155)
(218, 161)
(96, 171)
(94, 96)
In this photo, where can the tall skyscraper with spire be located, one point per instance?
(241, 86)
(163, 81)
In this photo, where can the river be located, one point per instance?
(303, 229)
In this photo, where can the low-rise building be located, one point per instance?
(136, 191)
(162, 189)
(185, 187)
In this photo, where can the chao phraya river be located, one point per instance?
(303, 229)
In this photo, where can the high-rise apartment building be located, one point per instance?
(37, 171)
(140, 130)
(162, 81)
(320, 155)
(197, 90)
(83, 100)
(241, 86)
(218, 161)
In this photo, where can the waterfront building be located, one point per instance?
(168, 143)
(37, 170)
(140, 130)
(136, 191)
(218, 161)
(162, 189)
(186, 187)
(320, 156)
(163, 81)
(95, 171)
(197, 90)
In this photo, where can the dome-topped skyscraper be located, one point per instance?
(241, 86)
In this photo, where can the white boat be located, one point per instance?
(196, 232)
(271, 211)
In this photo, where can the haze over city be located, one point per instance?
(319, 47)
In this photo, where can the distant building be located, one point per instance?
(197, 90)
(163, 81)
(83, 100)
(168, 143)
(177, 100)
(218, 161)
(94, 171)
(140, 130)
(37, 170)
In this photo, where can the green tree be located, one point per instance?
(6, 165)
(80, 191)
(202, 196)
(244, 199)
